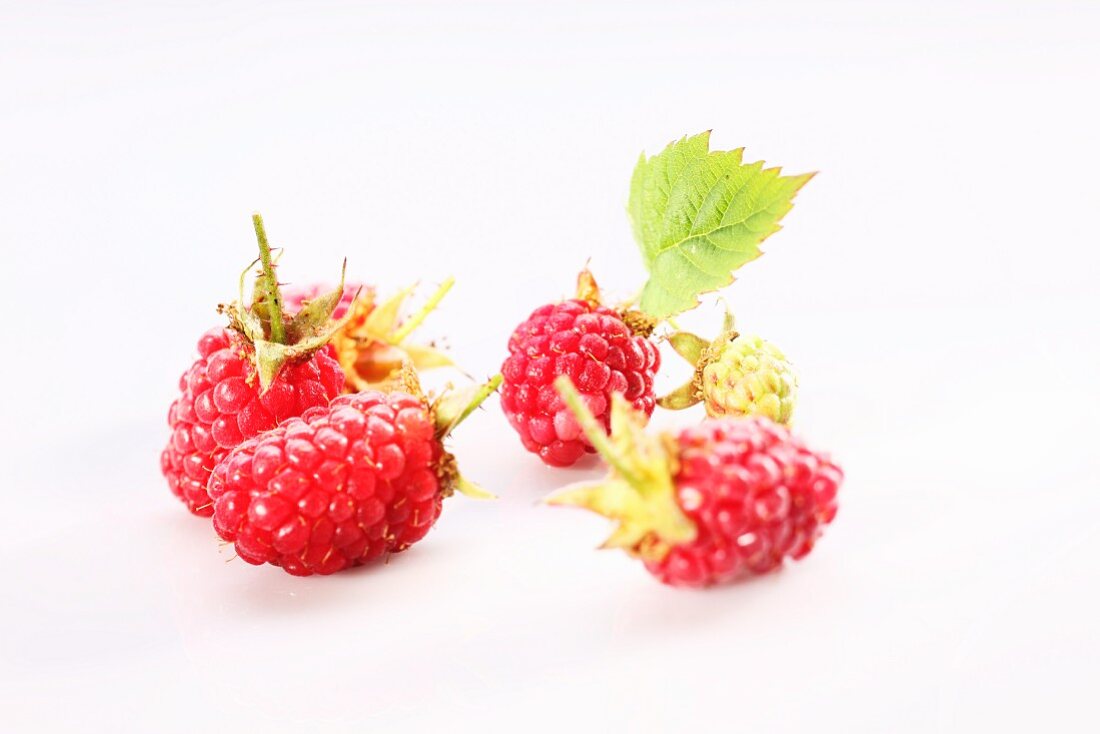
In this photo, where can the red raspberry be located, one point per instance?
(221, 404)
(234, 390)
(755, 494)
(720, 500)
(341, 485)
(596, 349)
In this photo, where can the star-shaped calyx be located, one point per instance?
(699, 353)
(639, 492)
(279, 338)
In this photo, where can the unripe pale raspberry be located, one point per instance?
(727, 498)
(595, 347)
(749, 376)
(734, 376)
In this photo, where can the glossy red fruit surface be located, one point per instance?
(597, 350)
(338, 487)
(220, 404)
(756, 495)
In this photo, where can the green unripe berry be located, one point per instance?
(749, 376)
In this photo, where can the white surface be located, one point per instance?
(936, 285)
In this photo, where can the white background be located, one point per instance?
(935, 284)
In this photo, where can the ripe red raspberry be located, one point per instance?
(596, 348)
(717, 501)
(341, 485)
(755, 494)
(267, 367)
(221, 404)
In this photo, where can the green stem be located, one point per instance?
(271, 283)
(418, 318)
(593, 431)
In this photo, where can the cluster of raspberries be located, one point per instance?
(735, 495)
(304, 462)
(297, 466)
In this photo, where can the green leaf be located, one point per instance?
(698, 215)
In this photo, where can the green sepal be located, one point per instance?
(639, 492)
(384, 325)
(688, 346)
(263, 324)
(474, 491)
(398, 335)
(699, 353)
(382, 320)
(682, 397)
(455, 406)
(271, 356)
(427, 357)
(614, 499)
(587, 288)
(243, 318)
(315, 314)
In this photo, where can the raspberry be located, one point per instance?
(749, 376)
(221, 404)
(735, 376)
(339, 486)
(755, 494)
(596, 348)
(718, 501)
(370, 342)
(235, 390)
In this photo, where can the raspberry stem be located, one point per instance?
(271, 283)
(418, 318)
